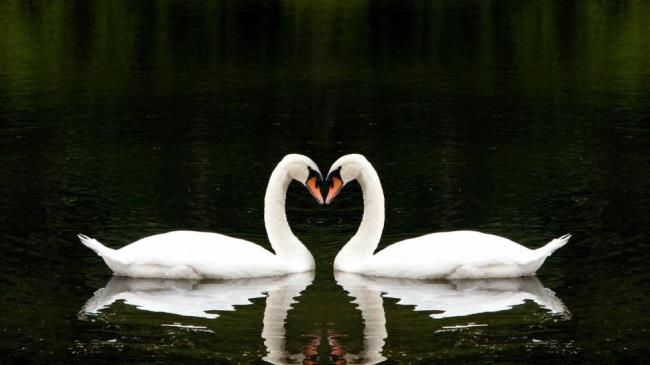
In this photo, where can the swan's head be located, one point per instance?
(344, 170)
(304, 170)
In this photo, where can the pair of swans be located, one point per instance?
(453, 300)
(197, 255)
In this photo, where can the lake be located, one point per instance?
(122, 119)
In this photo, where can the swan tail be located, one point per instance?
(552, 246)
(95, 245)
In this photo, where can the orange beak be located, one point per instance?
(335, 186)
(314, 189)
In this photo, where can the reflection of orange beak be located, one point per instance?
(335, 187)
(314, 189)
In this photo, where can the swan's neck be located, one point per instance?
(285, 244)
(365, 241)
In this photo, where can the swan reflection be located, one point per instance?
(192, 298)
(456, 298)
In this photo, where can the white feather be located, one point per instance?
(196, 255)
(452, 255)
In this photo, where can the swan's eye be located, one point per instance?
(314, 173)
(334, 173)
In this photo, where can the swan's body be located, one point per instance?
(191, 255)
(197, 255)
(453, 255)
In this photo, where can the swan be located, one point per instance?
(450, 255)
(199, 255)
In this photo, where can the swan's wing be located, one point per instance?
(443, 254)
(182, 245)
(195, 254)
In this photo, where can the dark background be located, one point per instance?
(121, 119)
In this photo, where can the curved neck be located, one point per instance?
(285, 244)
(365, 241)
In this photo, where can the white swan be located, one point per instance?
(453, 255)
(197, 255)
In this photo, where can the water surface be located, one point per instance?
(124, 119)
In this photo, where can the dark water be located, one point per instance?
(123, 119)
